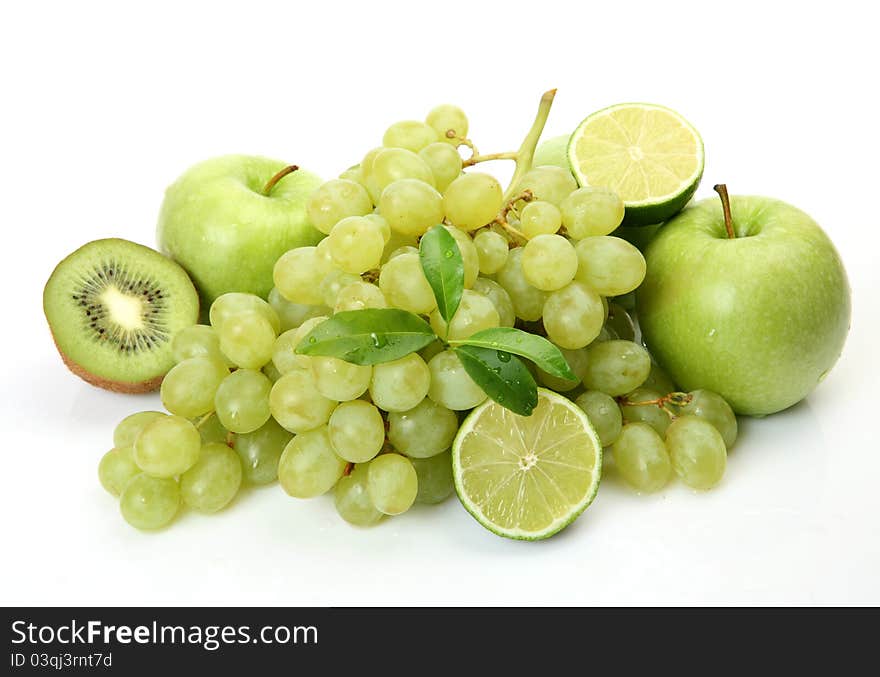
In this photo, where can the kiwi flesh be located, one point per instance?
(113, 307)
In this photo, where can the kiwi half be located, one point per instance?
(113, 307)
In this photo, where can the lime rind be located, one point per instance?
(566, 497)
(652, 208)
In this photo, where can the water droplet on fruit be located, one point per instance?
(312, 339)
(712, 333)
(374, 338)
(496, 370)
(503, 357)
(448, 254)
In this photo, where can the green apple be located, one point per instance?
(219, 221)
(757, 312)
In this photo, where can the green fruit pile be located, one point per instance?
(422, 304)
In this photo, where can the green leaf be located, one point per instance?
(503, 376)
(443, 268)
(531, 346)
(370, 336)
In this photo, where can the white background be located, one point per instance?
(104, 104)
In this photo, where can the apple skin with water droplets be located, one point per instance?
(759, 318)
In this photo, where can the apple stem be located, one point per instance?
(290, 169)
(721, 189)
(526, 153)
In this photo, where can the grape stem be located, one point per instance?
(270, 184)
(721, 189)
(475, 159)
(501, 220)
(203, 420)
(348, 468)
(678, 399)
(526, 153)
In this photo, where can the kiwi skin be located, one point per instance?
(113, 386)
(180, 298)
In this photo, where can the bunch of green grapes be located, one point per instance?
(245, 407)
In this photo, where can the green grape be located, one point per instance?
(697, 451)
(641, 458)
(539, 218)
(382, 224)
(435, 478)
(234, 303)
(213, 481)
(167, 446)
(472, 200)
(292, 314)
(305, 329)
(359, 296)
(116, 469)
(210, 429)
(130, 427)
(548, 183)
(450, 123)
(492, 249)
(199, 340)
(260, 450)
(188, 389)
(296, 404)
(469, 255)
(609, 265)
(355, 174)
(451, 386)
(499, 298)
(298, 273)
(404, 285)
(410, 134)
(573, 316)
(654, 416)
(528, 302)
(423, 431)
(475, 313)
(411, 206)
(284, 356)
(335, 200)
(334, 282)
(369, 159)
(392, 483)
(577, 360)
(357, 431)
(356, 245)
(616, 367)
(603, 413)
(549, 262)
(340, 380)
(394, 164)
(444, 161)
(713, 408)
(150, 502)
(248, 340)
(620, 322)
(308, 466)
(400, 385)
(659, 380)
(353, 501)
(397, 244)
(589, 212)
(242, 401)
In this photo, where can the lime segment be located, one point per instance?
(527, 477)
(649, 155)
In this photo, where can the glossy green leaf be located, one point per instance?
(502, 376)
(370, 336)
(443, 268)
(531, 346)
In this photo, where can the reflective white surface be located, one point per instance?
(103, 109)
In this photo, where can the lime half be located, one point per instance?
(527, 477)
(649, 155)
